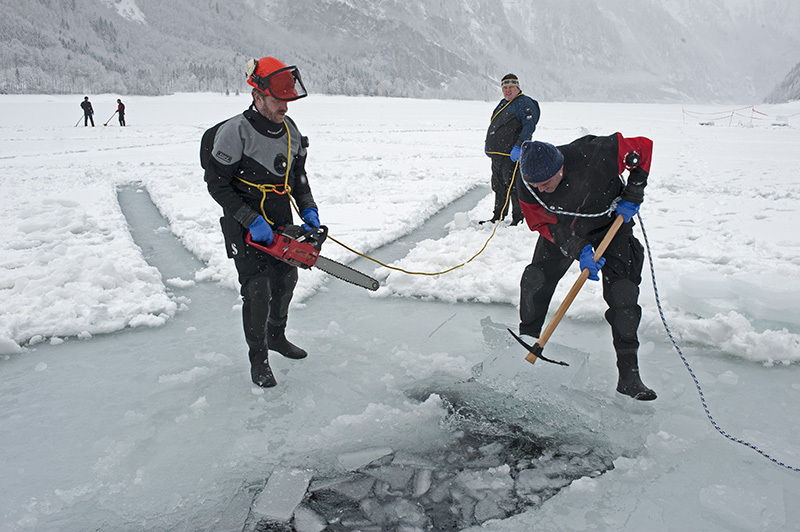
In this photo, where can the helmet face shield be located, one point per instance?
(284, 84)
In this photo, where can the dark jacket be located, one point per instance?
(591, 182)
(121, 108)
(86, 105)
(512, 124)
(251, 150)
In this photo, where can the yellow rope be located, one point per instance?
(274, 188)
(496, 225)
(503, 108)
(508, 195)
(288, 191)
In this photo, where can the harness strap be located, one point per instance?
(495, 116)
(279, 189)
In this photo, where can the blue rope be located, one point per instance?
(689, 368)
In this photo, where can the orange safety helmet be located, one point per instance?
(271, 76)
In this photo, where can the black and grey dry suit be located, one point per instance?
(249, 164)
(591, 181)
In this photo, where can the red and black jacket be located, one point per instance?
(591, 182)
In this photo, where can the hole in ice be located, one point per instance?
(492, 470)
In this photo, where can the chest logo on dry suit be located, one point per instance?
(280, 163)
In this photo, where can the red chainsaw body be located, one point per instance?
(293, 245)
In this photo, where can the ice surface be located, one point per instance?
(105, 424)
(284, 491)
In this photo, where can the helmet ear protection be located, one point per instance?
(251, 67)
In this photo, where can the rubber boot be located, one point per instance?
(260, 371)
(276, 340)
(630, 383)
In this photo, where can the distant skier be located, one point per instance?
(88, 112)
(258, 160)
(513, 122)
(577, 179)
(121, 112)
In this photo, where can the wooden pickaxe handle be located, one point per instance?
(554, 321)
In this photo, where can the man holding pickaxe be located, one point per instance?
(572, 196)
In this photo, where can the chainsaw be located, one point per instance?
(298, 247)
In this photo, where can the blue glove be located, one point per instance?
(627, 209)
(587, 262)
(311, 218)
(260, 231)
(515, 151)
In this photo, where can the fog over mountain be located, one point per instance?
(588, 50)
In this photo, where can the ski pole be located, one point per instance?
(538, 347)
(109, 119)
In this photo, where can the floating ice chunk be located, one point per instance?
(532, 481)
(355, 489)
(284, 491)
(585, 484)
(395, 476)
(403, 458)
(488, 508)
(492, 479)
(422, 482)
(405, 512)
(307, 520)
(364, 457)
(374, 511)
(41, 366)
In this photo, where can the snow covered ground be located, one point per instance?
(125, 401)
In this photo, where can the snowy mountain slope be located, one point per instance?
(788, 89)
(655, 50)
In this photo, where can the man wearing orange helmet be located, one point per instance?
(256, 163)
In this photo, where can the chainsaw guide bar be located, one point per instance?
(298, 247)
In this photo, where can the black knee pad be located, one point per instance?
(255, 288)
(532, 279)
(622, 293)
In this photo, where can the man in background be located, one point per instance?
(121, 112)
(86, 105)
(513, 122)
